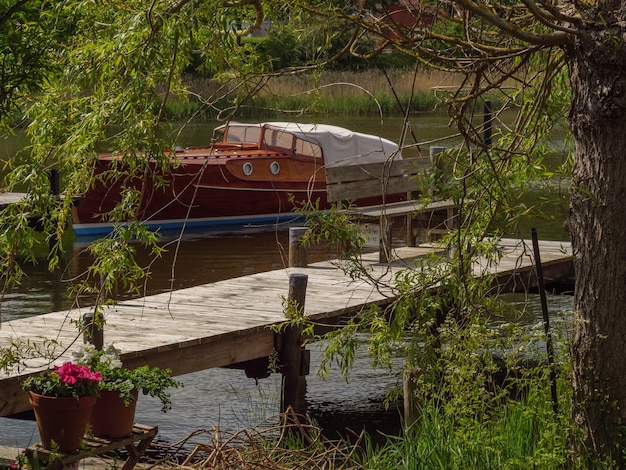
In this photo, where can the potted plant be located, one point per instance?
(63, 399)
(114, 413)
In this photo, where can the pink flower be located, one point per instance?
(68, 380)
(71, 373)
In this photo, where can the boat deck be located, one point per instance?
(228, 322)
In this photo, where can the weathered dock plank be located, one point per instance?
(228, 322)
(10, 198)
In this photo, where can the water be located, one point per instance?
(223, 398)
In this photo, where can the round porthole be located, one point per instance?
(274, 168)
(247, 168)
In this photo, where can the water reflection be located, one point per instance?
(189, 261)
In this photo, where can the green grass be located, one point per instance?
(517, 435)
(371, 92)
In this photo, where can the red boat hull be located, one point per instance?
(208, 190)
(252, 173)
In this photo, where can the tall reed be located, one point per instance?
(520, 434)
(372, 91)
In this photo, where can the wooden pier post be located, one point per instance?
(55, 182)
(92, 333)
(292, 352)
(297, 251)
(385, 248)
(411, 411)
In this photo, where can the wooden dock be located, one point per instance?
(10, 198)
(228, 322)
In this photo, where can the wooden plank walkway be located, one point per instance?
(227, 322)
(10, 198)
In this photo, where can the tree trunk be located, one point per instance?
(597, 225)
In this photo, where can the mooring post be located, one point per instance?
(92, 332)
(292, 351)
(546, 319)
(385, 242)
(410, 231)
(411, 410)
(55, 182)
(297, 250)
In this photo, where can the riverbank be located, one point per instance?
(277, 441)
(9, 455)
(372, 92)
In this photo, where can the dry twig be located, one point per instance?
(286, 441)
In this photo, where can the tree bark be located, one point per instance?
(597, 64)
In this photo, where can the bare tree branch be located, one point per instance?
(548, 18)
(556, 38)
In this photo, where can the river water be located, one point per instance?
(224, 398)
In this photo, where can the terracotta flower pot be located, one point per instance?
(62, 420)
(110, 417)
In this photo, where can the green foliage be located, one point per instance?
(28, 36)
(295, 316)
(333, 227)
(442, 320)
(281, 49)
(341, 349)
(484, 402)
(15, 356)
(154, 381)
(115, 267)
(102, 79)
(518, 434)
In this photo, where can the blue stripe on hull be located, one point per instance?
(225, 224)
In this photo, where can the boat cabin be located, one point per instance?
(336, 145)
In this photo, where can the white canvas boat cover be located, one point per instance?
(341, 146)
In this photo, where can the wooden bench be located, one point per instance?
(398, 177)
(135, 444)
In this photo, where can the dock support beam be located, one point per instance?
(292, 352)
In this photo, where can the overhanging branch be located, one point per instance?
(556, 38)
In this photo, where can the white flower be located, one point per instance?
(110, 357)
(110, 361)
(110, 350)
(83, 354)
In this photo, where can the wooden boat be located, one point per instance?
(250, 175)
